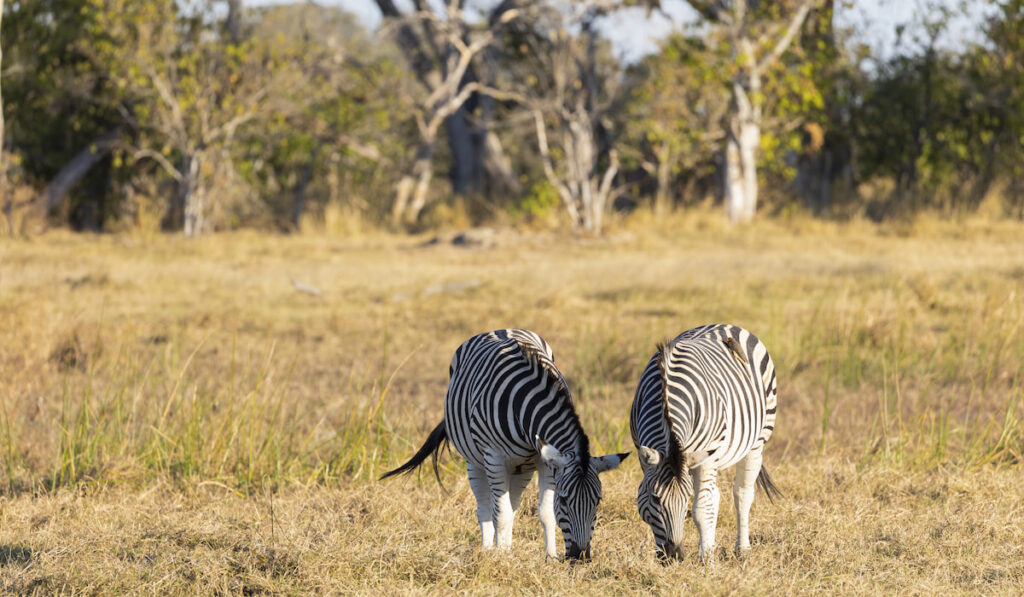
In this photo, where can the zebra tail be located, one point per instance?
(436, 441)
(764, 481)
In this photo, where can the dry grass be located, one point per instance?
(177, 417)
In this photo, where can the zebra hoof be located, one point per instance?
(707, 556)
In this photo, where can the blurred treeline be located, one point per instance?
(204, 115)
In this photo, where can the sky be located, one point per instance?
(634, 35)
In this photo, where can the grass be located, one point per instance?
(178, 417)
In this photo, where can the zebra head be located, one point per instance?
(577, 493)
(664, 495)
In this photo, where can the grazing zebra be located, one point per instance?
(705, 402)
(508, 411)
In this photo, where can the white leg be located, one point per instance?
(705, 510)
(501, 501)
(743, 496)
(484, 510)
(546, 509)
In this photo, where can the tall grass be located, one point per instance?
(121, 422)
(898, 361)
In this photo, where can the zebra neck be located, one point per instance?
(681, 427)
(565, 434)
(679, 422)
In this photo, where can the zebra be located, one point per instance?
(705, 402)
(508, 411)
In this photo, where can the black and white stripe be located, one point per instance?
(508, 411)
(705, 402)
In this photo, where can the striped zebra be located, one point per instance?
(705, 402)
(508, 411)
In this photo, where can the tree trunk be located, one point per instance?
(300, 188)
(193, 198)
(419, 195)
(499, 178)
(233, 23)
(741, 152)
(465, 175)
(662, 195)
(78, 167)
(744, 135)
(414, 185)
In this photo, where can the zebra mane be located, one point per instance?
(675, 446)
(536, 356)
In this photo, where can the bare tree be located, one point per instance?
(183, 111)
(573, 102)
(758, 39)
(441, 51)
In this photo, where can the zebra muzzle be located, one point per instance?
(670, 551)
(575, 552)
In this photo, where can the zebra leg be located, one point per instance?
(705, 510)
(517, 483)
(501, 500)
(546, 508)
(484, 511)
(743, 495)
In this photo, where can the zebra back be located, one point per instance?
(539, 356)
(751, 375)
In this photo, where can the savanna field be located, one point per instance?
(210, 416)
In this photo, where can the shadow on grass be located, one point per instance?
(12, 555)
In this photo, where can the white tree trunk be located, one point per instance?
(741, 152)
(411, 193)
(745, 123)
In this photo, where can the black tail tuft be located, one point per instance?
(436, 441)
(764, 481)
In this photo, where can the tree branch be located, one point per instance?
(411, 44)
(159, 158)
(368, 151)
(609, 174)
(787, 38)
(549, 170)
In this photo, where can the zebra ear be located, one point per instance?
(695, 459)
(648, 456)
(550, 454)
(609, 462)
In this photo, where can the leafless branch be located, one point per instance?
(140, 154)
(780, 47)
(549, 170)
(609, 174)
(365, 150)
(168, 98)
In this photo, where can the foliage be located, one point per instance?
(945, 126)
(333, 133)
(304, 109)
(55, 101)
(677, 106)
